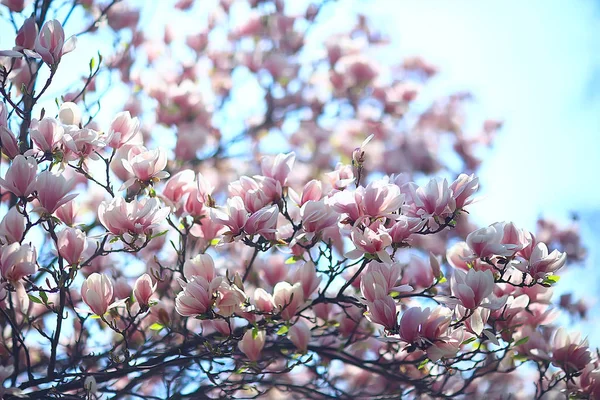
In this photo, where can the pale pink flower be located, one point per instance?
(251, 346)
(134, 218)
(81, 143)
(348, 203)
(433, 199)
(71, 244)
(97, 293)
(306, 275)
(570, 353)
(179, 185)
(342, 177)
(411, 323)
(47, 134)
(278, 167)
(17, 261)
(313, 190)
(263, 301)
(403, 227)
(229, 299)
(52, 191)
(201, 265)
(541, 263)
(27, 35)
(288, 298)
(372, 240)
(299, 335)
(205, 188)
(69, 113)
(12, 226)
(67, 213)
(20, 177)
(263, 222)
(463, 188)
(487, 242)
(316, 216)
(381, 199)
(50, 44)
(123, 129)
(14, 6)
(143, 289)
(234, 218)
(473, 287)
(519, 238)
(383, 311)
(8, 142)
(197, 296)
(145, 165)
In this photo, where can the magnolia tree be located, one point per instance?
(304, 239)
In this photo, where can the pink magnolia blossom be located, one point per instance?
(143, 289)
(542, 263)
(288, 298)
(201, 265)
(52, 191)
(403, 227)
(179, 185)
(67, 213)
(20, 177)
(381, 199)
(316, 216)
(197, 296)
(372, 240)
(263, 222)
(27, 35)
(570, 353)
(123, 129)
(97, 293)
(341, 177)
(487, 242)
(299, 335)
(145, 165)
(251, 345)
(71, 244)
(383, 311)
(17, 261)
(229, 299)
(50, 44)
(278, 167)
(348, 203)
(306, 275)
(313, 190)
(69, 114)
(12, 226)
(81, 143)
(263, 301)
(14, 6)
(434, 199)
(47, 134)
(234, 218)
(8, 142)
(134, 218)
(463, 188)
(473, 287)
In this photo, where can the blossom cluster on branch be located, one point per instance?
(343, 266)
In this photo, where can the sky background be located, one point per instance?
(533, 64)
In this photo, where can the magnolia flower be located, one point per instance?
(252, 344)
(197, 296)
(97, 293)
(306, 275)
(383, 311)
(145, 165)
(27, 35)
(123, 130)
(12, 226)
(17, 261)
(69, 113)
(288, 298)
(71, 244)
(473, 287)
(299, 334)
(487, 242)
(541, 263)
(234, 218)
(47, 134)
(138, 217)
(263, 301)
(381, 199)
(52, 191)
(278, 167)
(20, 177)
(229, 299)
(143, 289)
(50, 44)
(570, 353)
(201, 265)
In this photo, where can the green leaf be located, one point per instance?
(156, 326)
(551, 279)
(114, 240)
(159, 234)
(44, 297)
(520, 357)
(241, 370)
(283, 330)
(293, 260)
(254, 333)
(34, 299)
(470, 340)
(522, 341)
(92, 64)
(423, 363)
(443, 279)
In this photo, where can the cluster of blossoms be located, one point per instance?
(332, 270)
